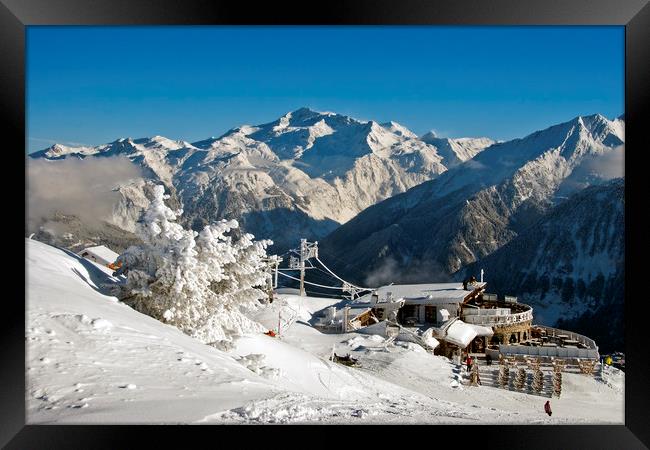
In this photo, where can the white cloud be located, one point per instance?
(80, 187)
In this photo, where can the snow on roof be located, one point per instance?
(427, 292)
(460, 333)
(480, 330)
(102, 252)
(427, 338)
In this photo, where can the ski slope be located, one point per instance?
(91, 359)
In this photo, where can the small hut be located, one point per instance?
(100, 254)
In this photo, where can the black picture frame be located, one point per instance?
(15, 15)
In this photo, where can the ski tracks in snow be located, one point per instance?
(300, 408)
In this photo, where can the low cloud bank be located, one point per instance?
(79, 187)
(390, 271)
(608, 165)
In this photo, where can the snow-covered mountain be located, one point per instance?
(159, 156)
(301, 175)
(438, 227)
(570, 265)
(456, 151)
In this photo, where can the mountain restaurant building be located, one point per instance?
(462, 316)
(459, 317)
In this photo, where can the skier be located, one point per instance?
(469, 363)
(547, 407)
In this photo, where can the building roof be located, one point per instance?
(102, 252)
(427, 338)
(460, 333)
(481, 330)
(423, 293)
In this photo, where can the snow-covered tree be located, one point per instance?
(202, 283)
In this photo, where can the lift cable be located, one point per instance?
(313, 284)
(341, 279)
(346, 264)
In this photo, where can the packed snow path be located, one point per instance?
(91, 359)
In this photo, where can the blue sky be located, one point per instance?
(92, 85)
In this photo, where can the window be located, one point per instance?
(408, 314)
(430, 314)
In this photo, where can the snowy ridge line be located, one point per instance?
(309, 162)
(516, 179)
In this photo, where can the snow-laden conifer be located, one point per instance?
(202, 283)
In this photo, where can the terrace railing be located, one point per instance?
(479, 317)
(558, 352)
(557, 333)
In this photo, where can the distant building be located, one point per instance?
(100, 254)
(438, 306)
(461, 317)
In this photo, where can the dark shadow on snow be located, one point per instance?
(97, 277)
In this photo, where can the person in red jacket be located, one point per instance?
(469, 363)
(547, 407)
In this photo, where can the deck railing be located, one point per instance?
(591, 352)
(558, 352)
(556, 332)
(496, 320)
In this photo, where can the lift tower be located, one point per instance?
(307, 250)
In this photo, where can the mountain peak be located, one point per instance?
(398, 129)
(302, 114)
(304, 110)
(601, 128)
(590, 119)
(162, 142)
(58, 148)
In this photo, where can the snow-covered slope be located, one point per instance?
(437, 227)
(91, 359)
(300, 175)
(456, 151)
(570, 265)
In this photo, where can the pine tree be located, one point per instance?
(557, 382)
(504, 376)
(520, 380)
(202, 283)
(538, 381)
